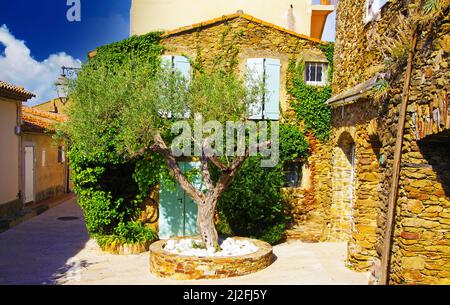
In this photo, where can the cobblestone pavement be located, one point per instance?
(46, 250)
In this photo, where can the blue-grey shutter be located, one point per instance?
(183, 65)
(255, 72)
(166, 60)
(272, 81)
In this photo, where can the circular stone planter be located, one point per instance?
(179, 267)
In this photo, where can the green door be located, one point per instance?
(177, 211)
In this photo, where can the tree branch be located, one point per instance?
(161, 147)
(204, 170)
(228, 176)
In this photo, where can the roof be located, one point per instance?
(40, 121)
(354, 93)
(234, 16)
(14, 92)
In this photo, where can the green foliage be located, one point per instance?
(127, 233)
(293, 142)
(110, 185)
(309, 104)
(245, 209)
(431, 6)
(143, 49)
(253, 205)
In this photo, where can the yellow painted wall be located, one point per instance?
(50, 176)
(9, 151)
(50, 106)
(152, 15)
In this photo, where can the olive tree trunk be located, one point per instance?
(206, 201)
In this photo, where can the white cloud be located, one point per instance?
(19, 68)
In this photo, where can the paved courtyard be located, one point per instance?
(46, 250)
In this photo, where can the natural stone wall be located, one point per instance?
(178, 267)
(126, 249)
(421, 240)
(355, 197)
(310, 205)
(422, 233)
(343, 186)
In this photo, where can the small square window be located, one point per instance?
(315, 73)
(61, 154)
(292, 173)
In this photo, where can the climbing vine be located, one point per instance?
(310, 101)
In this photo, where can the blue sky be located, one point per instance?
(45, 29)
(36, 38)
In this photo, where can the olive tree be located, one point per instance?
(141, 108)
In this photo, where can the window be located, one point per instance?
(373, 8)
(43, 157)
(181, 64)
(268, 71)
(61, 155)
(316, 73)
(293, 173)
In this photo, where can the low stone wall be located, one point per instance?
(177, 267)
(124, 249)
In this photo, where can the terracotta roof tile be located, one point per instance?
(37, 120)
(14, 90)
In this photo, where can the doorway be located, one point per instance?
(343, 179)
(178, 212)
(28, 173)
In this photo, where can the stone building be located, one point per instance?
(243, 43)
(391, 66)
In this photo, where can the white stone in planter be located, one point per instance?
(230, 247)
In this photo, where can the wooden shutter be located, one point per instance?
(272, 82)
(255, 72)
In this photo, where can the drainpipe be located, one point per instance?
(393, 194)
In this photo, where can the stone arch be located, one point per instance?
(343, 187)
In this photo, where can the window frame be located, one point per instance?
(324, 79)
(61, 154)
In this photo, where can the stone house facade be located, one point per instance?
(380, 47)
(241, 42)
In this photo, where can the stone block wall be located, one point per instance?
(420, 253)
(422, 233)
(310, 205)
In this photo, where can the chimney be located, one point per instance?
(291, 18)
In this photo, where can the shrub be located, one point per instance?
(253, 205)
(127, 233)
